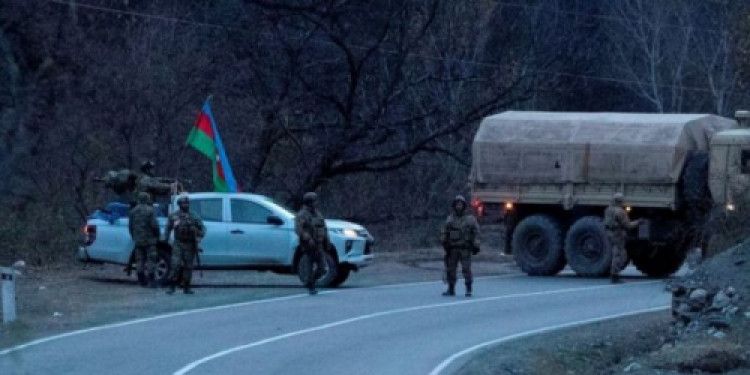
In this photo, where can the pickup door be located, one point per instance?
(214, 244)
(113, 243)
(252, 240)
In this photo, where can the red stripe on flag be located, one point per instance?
(204, 124)
(219, 168)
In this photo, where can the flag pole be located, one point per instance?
(208, 101)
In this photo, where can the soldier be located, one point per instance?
(152, 185)
(188, 233)
(617, 223)
(123, 183)
(145, 233)
(460, 239)
(313, 238)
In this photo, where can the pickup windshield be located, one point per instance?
(280, 206)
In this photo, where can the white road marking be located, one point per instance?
(206, 309)
(143, 320)
(448, 361)
(389, 286)
(192, 365)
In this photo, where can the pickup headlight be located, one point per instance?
(347, 232)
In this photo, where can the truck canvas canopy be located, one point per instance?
(562, 147)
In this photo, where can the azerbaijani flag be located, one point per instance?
(205, 138)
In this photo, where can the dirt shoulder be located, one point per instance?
(638, 345)
(707, 331)
(53, 301)
(597, 348)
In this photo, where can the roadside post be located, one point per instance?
(8, 276)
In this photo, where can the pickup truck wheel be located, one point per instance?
(587, 247)
(341, 275)
(538, 246)
(658, 261)
(329, 271)
(141, 277)
(161, 271)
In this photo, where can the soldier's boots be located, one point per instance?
(311, 289)
(188, 290)
(142, 279)
(152, 283)
(468, 290)
(172, 288)
(615, 278)
(451, 290)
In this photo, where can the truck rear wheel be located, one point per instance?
(658, 261)
(537, 246)
(587, 247)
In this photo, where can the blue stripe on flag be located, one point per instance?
(228, 173)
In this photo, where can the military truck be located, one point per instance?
(548, 176)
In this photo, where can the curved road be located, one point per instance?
(398, 329)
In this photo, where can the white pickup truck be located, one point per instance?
(243, 232)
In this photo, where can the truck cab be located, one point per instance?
(729, 176)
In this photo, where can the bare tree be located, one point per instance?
(340, 96)
(379, 85)
(651, 48)
(713, 54)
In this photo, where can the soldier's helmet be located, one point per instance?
(459, 198)
(309, 198)
(147, 166)
(144, 198)
(183, 198)
(618, 198)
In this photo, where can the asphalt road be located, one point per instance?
(397, 329)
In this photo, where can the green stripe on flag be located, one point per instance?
(201, 142)
(220, 185)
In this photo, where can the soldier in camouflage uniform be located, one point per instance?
(123, 183)
(145, 233)
(313, 238)
(617, 223)
(460, 239)
(188, 232)
(152, 185)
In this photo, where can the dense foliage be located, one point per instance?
(371, 102)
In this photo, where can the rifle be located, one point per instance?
(119, 181)
(131, 262)
(179, 188)
(474, 249)
(170, 180)
(198, 261)
(445, 263)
